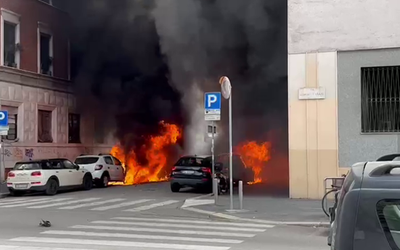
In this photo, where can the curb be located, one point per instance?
(3, 195)
(269, 222)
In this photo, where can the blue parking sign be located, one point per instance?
(3, 118)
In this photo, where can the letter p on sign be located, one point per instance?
(210, 100)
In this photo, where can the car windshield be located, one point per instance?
(86, 160)
(27, 166)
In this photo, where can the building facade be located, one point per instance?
(35, 85)
(344, 88)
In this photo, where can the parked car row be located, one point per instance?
(51, 175)
(367, 213)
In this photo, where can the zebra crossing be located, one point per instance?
(93, 204)
(141, 233)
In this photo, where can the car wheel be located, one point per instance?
(51, 187)
(16, 193)
(87, 182)
(103, 182)
(175, 187)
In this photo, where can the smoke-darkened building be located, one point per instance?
(344, 88)
(35, 83)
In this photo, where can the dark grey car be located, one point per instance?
(192, 171)
(368, 214)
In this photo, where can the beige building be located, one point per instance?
(341, 54)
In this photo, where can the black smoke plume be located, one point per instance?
(151, 60)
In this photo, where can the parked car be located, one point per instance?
(48, 175)
(367, 214)
(104, 168)
(192, 171)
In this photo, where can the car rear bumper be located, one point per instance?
(186, 182)
(30, 188)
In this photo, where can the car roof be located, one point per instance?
(364, 174)
(83, 156)
(41, 160)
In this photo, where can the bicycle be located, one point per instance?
(335, 189)
(324, 199)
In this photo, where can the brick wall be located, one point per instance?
(32, 12)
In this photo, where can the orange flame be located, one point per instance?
(156, 157)
(255, 156)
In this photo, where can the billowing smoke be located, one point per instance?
(152, 60)
(245, 40)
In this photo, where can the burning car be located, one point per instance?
(240, 170)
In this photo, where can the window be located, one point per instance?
(389, 216)
(55, 164)
(193, 162)
(117, 162)
(86, 160)
(12, 123)
(74, 135)
(380, 99)
(44, 126)
(46, 59)
(27, 166)
(108, 160)
(69, 165)
(10, 45)
(11, 39)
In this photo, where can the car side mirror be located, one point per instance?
(77, 167)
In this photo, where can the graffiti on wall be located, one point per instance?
(7, 153)
(18, 154)
(29, 153)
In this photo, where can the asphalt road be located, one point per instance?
(138, 217)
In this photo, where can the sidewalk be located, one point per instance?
(262, 208)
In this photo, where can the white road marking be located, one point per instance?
(12, 247)
(116, 243)
(149, 224)
(142, 208)
(140, 236)
(93, 204)
(162, 230)
(22, 201)
(65, 203)
(195, 222)
(195, 202)
(124, 204)
(35, 203)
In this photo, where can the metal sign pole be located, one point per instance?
(212, 156)
(226, 89)
(230, 153)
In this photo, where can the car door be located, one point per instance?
(120, 169)
(75, 176)
(58, 170)
(378, 218)
(112, 169)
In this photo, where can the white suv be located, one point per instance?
(47, 176)
(104, 168)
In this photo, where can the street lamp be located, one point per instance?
(226, 90)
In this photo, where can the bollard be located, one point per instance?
(215, 190)
(241, 194)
